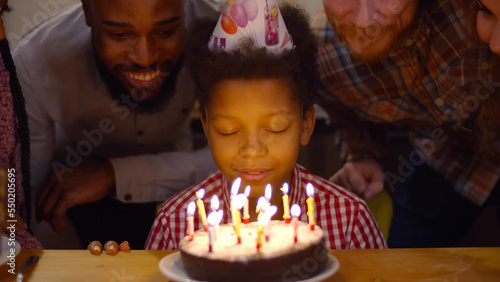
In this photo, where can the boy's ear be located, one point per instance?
(87, 13)
(204, 122)
(308, 121)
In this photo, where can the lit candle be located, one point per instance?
(189, 218)
(262, 205)
(235, 187)
(246, 214)
(213, 219)
(295, 211)
(239, 202)
(310, 205)
(263, 221)
(201, 208)
(214, 205)
(270, 211)
(286, 204)
(268, 193)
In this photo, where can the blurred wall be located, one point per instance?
(28, 13)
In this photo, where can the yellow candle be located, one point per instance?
(237, 223)
(201, 212)
(310, 204)
(260, 230)
(286, 207)
(310, 212)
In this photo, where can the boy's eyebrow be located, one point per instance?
(129, 25)
(284, 113)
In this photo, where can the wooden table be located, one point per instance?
(443, 265)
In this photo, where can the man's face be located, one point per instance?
(137, 42)
(370, 27)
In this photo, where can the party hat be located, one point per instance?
(257, 20)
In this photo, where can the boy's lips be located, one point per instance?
(143, 79)
(254, 175)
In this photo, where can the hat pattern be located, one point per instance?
(258, 20)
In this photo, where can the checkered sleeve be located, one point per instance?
(365, 233)
(159, 236)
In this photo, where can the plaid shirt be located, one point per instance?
(429, 85)
(345, 218)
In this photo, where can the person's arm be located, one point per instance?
(161, 176)
(360, 147)
(41, 126)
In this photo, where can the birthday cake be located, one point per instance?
(278, 258)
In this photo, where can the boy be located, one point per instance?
(257, 111)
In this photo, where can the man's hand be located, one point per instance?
(81, 186)
(365, 178)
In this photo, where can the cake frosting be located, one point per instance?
(278, 259)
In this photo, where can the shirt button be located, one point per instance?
(140, 133)
(408, 42)
(128, 197)
(485, 66)
(439, 102)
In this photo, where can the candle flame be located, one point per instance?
(200, 193)
(271, 211)
(295, 210)
(284, 188)
(261, 204)
(247, 191)
(239, 201)
(236, 186)
(214, 203)
(264, 220)
(310, 190)
(190, 208)
(268, 192)
(215, 217)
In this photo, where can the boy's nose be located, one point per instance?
(143, 52)
(252, 147)
(363, 13)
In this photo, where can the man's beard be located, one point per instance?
(393, 34)
(119, 92)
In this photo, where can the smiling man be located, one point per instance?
(416, 65)
(109, 105)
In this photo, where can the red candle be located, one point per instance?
(295, 211)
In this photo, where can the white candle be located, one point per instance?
(310, 205)
(246, 214)
(269, 213)
(214, 205)
(295, 211)
(213, 219)
(286, 204)
(189, 218)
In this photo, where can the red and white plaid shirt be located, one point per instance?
(345, 218)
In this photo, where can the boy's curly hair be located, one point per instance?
(297, 67)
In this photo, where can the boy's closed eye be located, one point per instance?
(481, 7)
